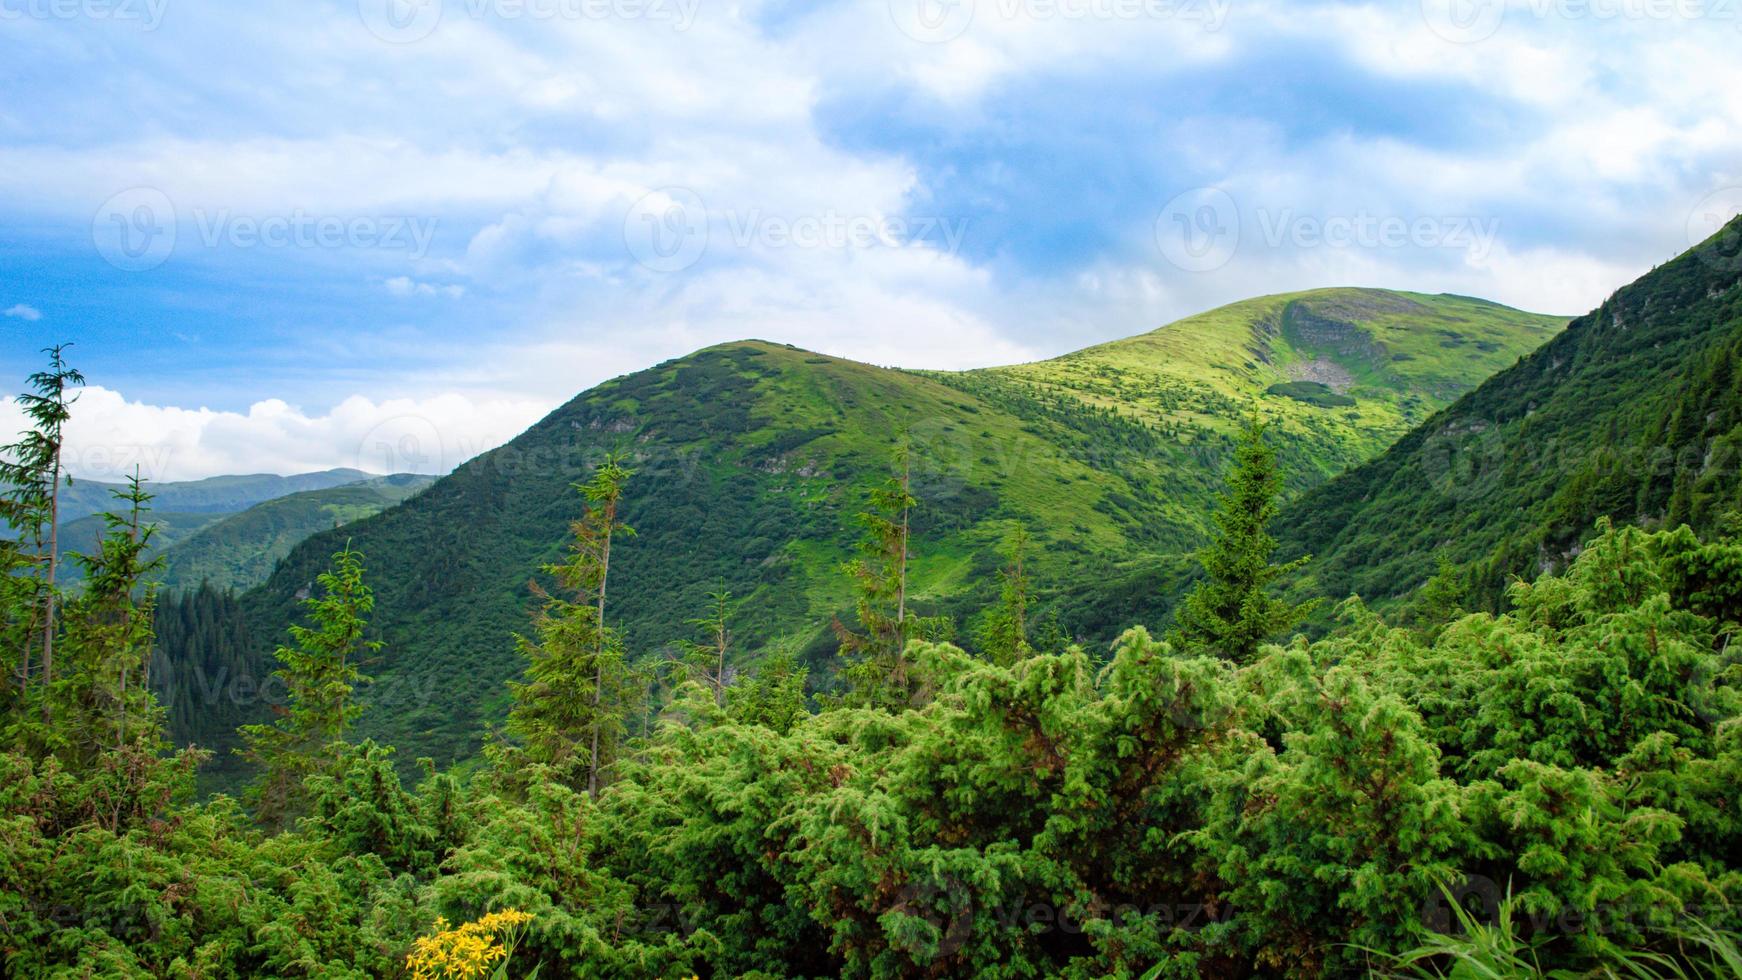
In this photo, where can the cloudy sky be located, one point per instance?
(296, 234)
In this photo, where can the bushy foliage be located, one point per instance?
(1550, 788)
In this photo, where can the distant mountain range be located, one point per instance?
(214, 495)
(231, 530)
(753, 458)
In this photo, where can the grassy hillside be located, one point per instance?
(752, 459)
(240, 551)
(1339, 373)
(81, 536)
(1634, 412)
(213, 495)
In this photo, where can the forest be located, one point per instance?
(1547, 786)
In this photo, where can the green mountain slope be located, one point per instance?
(81, 536)
(752, 459)
(180, 509)
(1339, 373)
(237, 527)
(239, 551)
(1634, 412)
(213, 495)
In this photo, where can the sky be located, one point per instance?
(289, 235)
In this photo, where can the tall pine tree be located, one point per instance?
(320, 671)
(569, 711)
(31, 472)
(1004, 635)
(876, 653)
(706, 661)
(1231, 611)
(106, 695)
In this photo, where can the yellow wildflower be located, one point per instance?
(466, 952)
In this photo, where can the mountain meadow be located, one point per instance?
(1335, 633)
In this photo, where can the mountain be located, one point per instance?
(239, 551)
(1634, 413)
(213, 495)
(753, 458)
(182, 511)
(179, 509)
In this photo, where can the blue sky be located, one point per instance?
(286, 235)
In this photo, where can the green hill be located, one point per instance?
(81, 536)
(213, 495)
(1634, 412)
(252, 520)
(752, 459)
(239, 551)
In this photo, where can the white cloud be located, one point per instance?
(22, 312)
(109, 435)
(531, 142)
(407, 286)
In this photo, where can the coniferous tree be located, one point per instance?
(1231, 612)
(569, 712)
(109, 634)
(1440, 599)
(31, 470)
(773, 696)
(706, 660)
(877, 670)
(1004, 636)
(320, 671)
(604, 493)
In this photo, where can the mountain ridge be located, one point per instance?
(1626, 414)
(753, 458)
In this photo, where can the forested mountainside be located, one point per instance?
(240, 551)
(242, 526)
(1634, 413)
(752, 458)
(213, 495)
(1552, 788)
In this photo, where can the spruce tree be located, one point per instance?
(320, 671)
(706, 660)
(1004, 635)
(773, 696)
(109, 637)
(1231, 612)
(569, 711)
(1440, 600)
(31, 471)
(877, 671)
